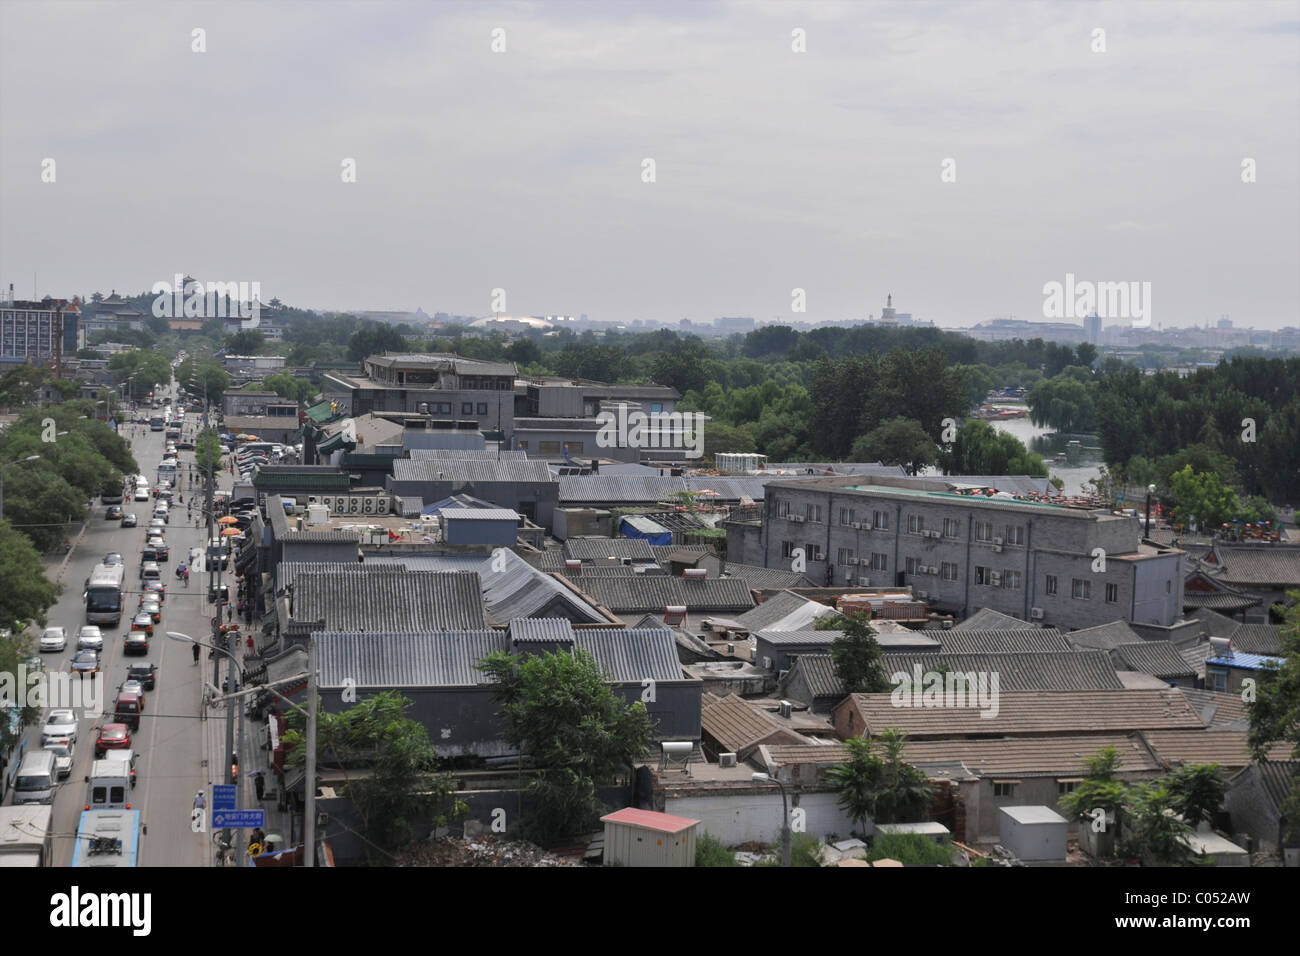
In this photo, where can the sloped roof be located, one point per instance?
(796, 639)
(468, 454)
(632, 655)
(1103, 636)
(1158, 658)
(651, 620)
(1035, 712)
(287, 571)
(551, 630)
(818, 674)
(785, 611)
(1031, 756)
(1029, 671)
(406, 659)
(1228, 748)
(1273, 566)
(520, 590)
(1219, 711)
(349, 600)
(1001, 642)
(647, 594)
(1213, 623)
(650, 489)
(1276, 778)
(739, 727)
(460, 470)
(1257, 639)
(988, 619)
(597, 549)
(759, 577)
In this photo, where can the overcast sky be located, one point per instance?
(774, 169)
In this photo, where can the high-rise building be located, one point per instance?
(1092, 328)
(29, 331)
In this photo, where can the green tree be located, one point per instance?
(1153, 829)
(1275, 715)
(1064, 403)
(204, 377)
(879, 787)
(1196, 792)
(982, 450)
(899, 441)
(857, 658)
(207, 450)
(287, 386)
(375, 339)
(25, 592)
(148, 368)
(388, 765)
(247, 342)
(1202, 495)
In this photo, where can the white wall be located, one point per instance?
(751, 817)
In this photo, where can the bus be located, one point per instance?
(104, 594)
(13, 759)
(107, 838)
(25, 837)
(167, 470)
(157, 423)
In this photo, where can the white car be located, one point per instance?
(54, 639)
(91, 637)
(141, 494)
(63, 749)
(59, 724)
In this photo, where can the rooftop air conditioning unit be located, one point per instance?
(923, 594)
(1036, 613)
(726, 760)
(785, 709)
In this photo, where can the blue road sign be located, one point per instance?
(238, 819)
(223, 796)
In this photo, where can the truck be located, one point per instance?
(104, 594)
(25, 837)
(108, 786)
(107, 838)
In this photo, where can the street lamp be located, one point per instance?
(1151, 490)
(785, 814)
(2, 478)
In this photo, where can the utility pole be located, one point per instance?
(309, 824)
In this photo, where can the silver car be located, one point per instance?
(90, 637)
(60, 724)
(63, 749)
(54, 639)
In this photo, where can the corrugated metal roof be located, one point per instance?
(632, 655)
(472, 470)
(480, 514)
(786, 611)
(758, 577)
(347, 600)
(642, 593)
(651, 489)
(406, 659)
(267, 481)
(1276, 779)
(1033, 671)
(798, 638)
(1002, 642)
(597, 549)
(468, 454)
(1157, 658)
(988, 619)
(552, 630)
(287, 571)
(649, 820)
(519, 590)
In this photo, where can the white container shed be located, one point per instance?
(648, 838)
(932, 830)
(1033, 833)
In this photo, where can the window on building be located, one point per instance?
(467, 408)
(548, 447)
(909, 565)
(983, 575)
(949, 569)
(787, 549)
(1065, 787)
(845, 556)
(444, 408)
(1049, 586)
(1169, 586)
(879, 562)
(1081, 589)
(1112, 594)
(880, 520)
(983, 530)
(656, 408)
(575, 447)
(482, 408)
(846, 516)
(1011, 580)
(1220, 680)
(1004, 788)
(915, 524)
(523, 445)
(1015, 534)
(951, 527)
(813, 513)
(813, 551)
(782, 508)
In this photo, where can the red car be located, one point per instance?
(112, 737)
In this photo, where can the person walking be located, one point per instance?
(199, 801)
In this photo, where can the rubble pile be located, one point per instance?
(480, 851)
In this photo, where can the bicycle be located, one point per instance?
(225, 843)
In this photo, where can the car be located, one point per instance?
(112, 558)
(114, 513)
(112, 737)
(185, 445)
(127, 708)
(129, 521)
(143, 622)
(150, 606)
(144, 674)
(141, 494)
(156, 550)
(54, 639)
(90, 636)
(132, 686)
(157, 589)
(156, 527)
(136, 641)
(86, 662)
(59, 724)
(64, 751)
(162, 513)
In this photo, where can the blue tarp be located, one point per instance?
(636, 526)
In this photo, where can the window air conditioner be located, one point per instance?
(1036, 613)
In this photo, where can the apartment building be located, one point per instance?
(1062, 566)
(29, 331)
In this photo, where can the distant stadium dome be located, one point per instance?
(528, 320)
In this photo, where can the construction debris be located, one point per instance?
(480, 851)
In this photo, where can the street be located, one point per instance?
(173, 744)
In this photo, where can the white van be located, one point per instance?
(108, 787)
(35, 780)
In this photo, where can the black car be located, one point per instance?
(146, 674)
(185, 446)
(153, 554)
(135, 642)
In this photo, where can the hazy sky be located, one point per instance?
(774, 169)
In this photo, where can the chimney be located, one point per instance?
(595, 466)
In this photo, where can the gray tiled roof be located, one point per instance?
(519, 590)
(1157, 658)
(1054, 671)
(468, 454)
(1257, 639)
(410, 659)
(998, 641)
(780, 608)
(651, 620)
(986, 618)
(795, 639)
(642, 593)
(1219, 711)
(597, 549)
(818, 675)
(465, 470)
(649, 489)
(1259, 567)
(759, 577)
(632, 655)
(1214, 623)
(556, 630)
(287, 571)
(1104, 636)
(1276, 779)
(348, 600)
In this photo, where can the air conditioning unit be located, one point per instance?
(726, 760)
(923, 594)
(797, 518)
(998, 542)
(857, 525)
(997, 549)
(767, 663)
(936, 534)
(1036, 613)
(996, 579)
(934, 569)
(785, 709)
(864, 582)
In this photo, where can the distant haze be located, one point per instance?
(774, 170)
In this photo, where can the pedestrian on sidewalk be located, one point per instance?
(199, 802)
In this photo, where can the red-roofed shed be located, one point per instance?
(648, 838)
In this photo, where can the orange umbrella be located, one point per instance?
(228, 519)
(231, 533)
